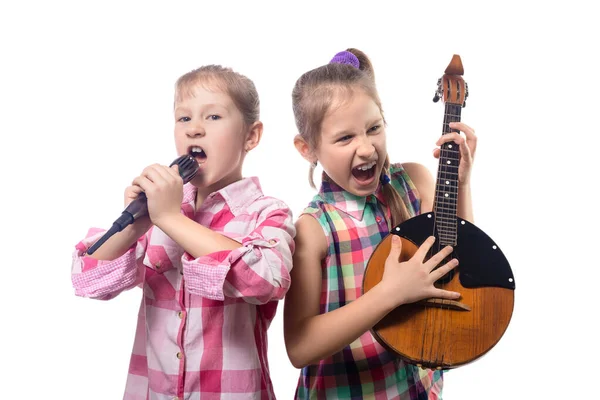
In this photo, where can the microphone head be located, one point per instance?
(188, 167)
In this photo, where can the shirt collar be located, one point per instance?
(237, 195)
(347, 202)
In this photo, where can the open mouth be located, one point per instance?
(198, 153)
(364, 172)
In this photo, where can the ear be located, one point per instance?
(304, 149)
(253, 136)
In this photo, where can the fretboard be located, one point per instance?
(446, 188)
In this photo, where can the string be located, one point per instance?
(454, 190)
(429, 313)
(445, 225)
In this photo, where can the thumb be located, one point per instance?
(396, 248)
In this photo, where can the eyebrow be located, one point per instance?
(345, 132)
(376, 121)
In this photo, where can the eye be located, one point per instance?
(214, 117)
(374, 128)
(344, 138)
(184, 119)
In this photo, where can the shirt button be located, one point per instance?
(180, 314)
(179, 355)
(157, 265)
(272, 241)
(378, 219)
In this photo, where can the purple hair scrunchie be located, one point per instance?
(345, 57)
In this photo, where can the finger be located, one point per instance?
(164, 171)
(450, 137)
(424, 248)
(445, 294)
(135, 189)
(143, 182)
(132, 193)
(443, 270)
(156, 174)
(463, 147)
(169, 174)
(465, 152)
(469, 134)
(461, 126)
(174, 172)
(396, 248)
(436, 153)
(438, 257)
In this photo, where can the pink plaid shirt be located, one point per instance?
(202, 327)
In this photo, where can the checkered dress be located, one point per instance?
(363, 370)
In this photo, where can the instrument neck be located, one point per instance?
(446, 188)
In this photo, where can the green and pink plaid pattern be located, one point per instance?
(363, 370)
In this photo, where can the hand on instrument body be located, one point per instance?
(413, 280)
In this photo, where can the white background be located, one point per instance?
(85, 104)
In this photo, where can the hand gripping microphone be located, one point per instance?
(188, 167)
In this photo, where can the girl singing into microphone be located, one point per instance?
(213, 256)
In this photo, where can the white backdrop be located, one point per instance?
(85, 104)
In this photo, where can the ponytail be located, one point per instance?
(398, 211)
(311, 173)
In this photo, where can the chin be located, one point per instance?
(365, 192)
(362, 190)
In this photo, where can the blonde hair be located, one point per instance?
(313, 96)
(241, 89)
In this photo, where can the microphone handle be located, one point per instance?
(134, 210)
(138, 207)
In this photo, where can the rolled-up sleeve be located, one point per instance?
(258, 271)
(103, 279)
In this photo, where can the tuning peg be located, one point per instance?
(438, 91)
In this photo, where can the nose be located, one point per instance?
(365, 148)
(195, 130)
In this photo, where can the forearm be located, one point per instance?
(104, 279)
(194, 238)
(465, 205)
(321, 336)
(120, 242)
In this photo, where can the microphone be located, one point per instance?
(188, 167)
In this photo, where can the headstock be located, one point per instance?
(451, 87)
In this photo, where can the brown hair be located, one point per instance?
(241, 89)
(312, 97)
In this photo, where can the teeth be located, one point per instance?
(196, 149)
(367, 166)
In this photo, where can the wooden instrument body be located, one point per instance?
(447, 335)
(438, 333)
